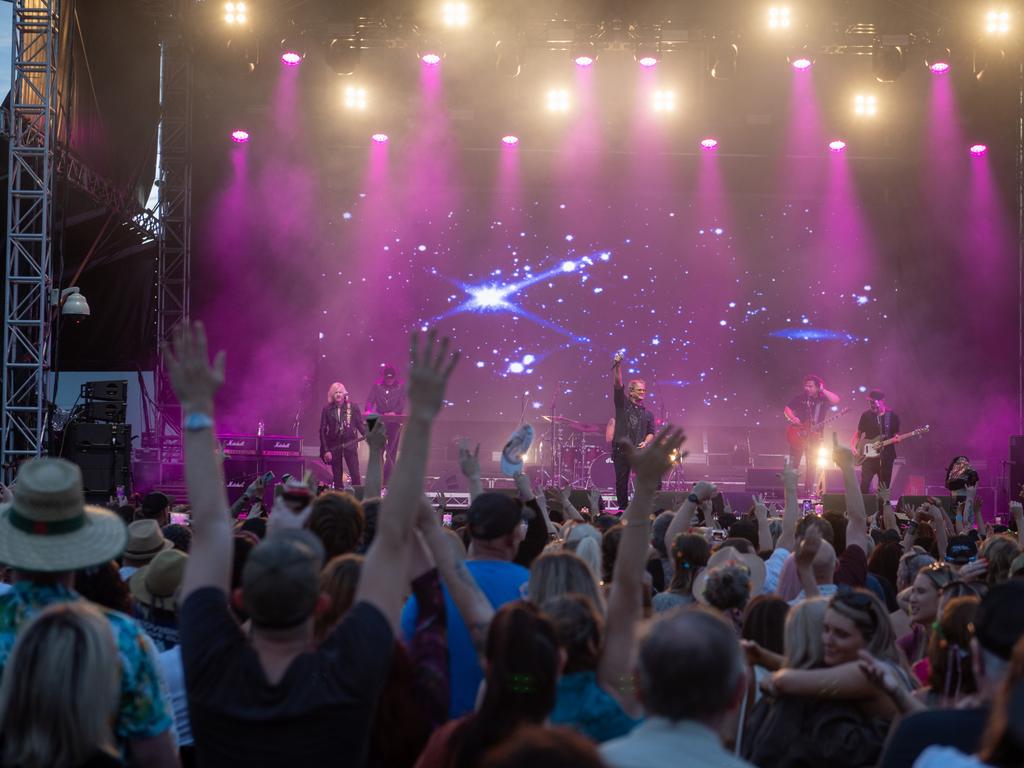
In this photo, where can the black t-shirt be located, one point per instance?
(872, 425)
(633, 422)
(960, 728)
(319, 714)
(810, 410)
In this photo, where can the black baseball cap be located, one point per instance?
(154, 503)
(493, 515)
(961, 550)
(999, 623)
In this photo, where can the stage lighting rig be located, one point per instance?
(558, 101)
(236, 14)
(997, 22)
(937, 59)
(455, 15)
(865, 105)
(647, 48)
(355, 98)
(293, 50)
(342, 55)
(780, 18)
(583, 53)
(888, 62)
(663, 101)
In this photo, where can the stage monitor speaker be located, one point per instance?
(1016, 467)
(764, 480)
(836, 502)
(115, 391)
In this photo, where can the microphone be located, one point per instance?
(616, 360)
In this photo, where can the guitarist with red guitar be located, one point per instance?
(806, 414)
(341, 429)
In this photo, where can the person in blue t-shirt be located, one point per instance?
(496, 526)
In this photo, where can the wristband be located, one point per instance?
(693, 498)
(197, 422)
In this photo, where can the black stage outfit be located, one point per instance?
(633, 423)
(810, 410)
(388, 399)
(871, 426)
(339, 425)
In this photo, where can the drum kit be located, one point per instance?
(578, 454)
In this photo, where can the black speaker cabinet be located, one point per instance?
(103, 453)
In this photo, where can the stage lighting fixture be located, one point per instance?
(355, 98)
(507, 58)
(583, 53)
(723, 57)
(379, 138)
(236, 14)
(997, 22)
(663, 101)
(647, 54)
(779, 18)
(824, 456)
(509, 140)
(937, 59)
(291, 58)
(239, 136)
(455, 15)
(431, 58)
(342, 55)
(887, 63)
(709, 144)
(865, 105)
(837, 145)
(977, 150)
(558, 100)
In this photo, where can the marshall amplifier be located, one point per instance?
(238, 445)
(272, 445)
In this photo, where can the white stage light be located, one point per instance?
(663, 101)
(779, 18)
(455, 15)
(236, 13)
(355, 98)
(558, 100)
(997, 22)
(865, 105)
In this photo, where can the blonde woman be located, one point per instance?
(341, 429)
(61, 689)
(554, 574)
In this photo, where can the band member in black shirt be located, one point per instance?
(877, 422)
(387, 398)
(803, 412)
(341, 429)
(633, 422)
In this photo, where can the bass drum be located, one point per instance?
(602, 472)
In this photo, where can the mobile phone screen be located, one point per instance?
(371, 422)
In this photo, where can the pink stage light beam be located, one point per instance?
(431, 59)
(709, 144)
(837, 145)
(239, 136)
(977, 150)
(291, 58)
(801, 64)
(379, 138)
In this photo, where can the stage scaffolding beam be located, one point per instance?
(174, 250)
(28, 265)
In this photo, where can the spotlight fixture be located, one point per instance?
(647, 54)
(342, 55)
(723, 58)
(379, 138)
(663, 101)
(239, 136)
(291, 58)
(977, 150)
(236, 14)
(865, 105)
(509, 140)
(431, 58)
(709, 144)
(455, 15)
(779, 18)
(887, 63)
(507, 58)
(558, 100)
(997, 22)
(937, 59)
(583, 53)
(837, 145)
(355, 98)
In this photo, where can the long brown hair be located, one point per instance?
(1002, 744)
(522, 672)
(949, 650)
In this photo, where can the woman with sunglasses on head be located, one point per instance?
(855, 622)
(923, 607)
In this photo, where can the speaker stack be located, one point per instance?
(99, 441)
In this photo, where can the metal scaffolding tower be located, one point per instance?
(28, 268)
(175, 212)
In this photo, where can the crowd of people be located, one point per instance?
(528, 633)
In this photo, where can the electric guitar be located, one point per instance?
(872, 449)
(798, 434)
(334, 449)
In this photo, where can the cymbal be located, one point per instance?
(579, 426)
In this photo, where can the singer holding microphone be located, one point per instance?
(633, 423)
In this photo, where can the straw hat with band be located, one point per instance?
(726, 555)
(145, 540)
(49, 528)
(157, 584)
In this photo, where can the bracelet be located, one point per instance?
(197, 422)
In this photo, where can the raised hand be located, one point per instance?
(841, 454)
(377, 437)
(469, 462)
(193, 379)
(809, 547)
(760, 506)
(884, 492)
(654, 461)
(705, 490)
(284, 518)
(789, 475)
(430, 366)
(878, 674)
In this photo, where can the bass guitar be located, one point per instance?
(798, 434)
(872, 449)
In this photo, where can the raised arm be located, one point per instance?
(568, 510)
(856, 516)
(469, 463)
(939, 520)
(832, 397)
(430, 366)
(702, 491)
(764, 531)
(376, 439)
(626, 599)
(791, 512)
(195, 382)
(809, 546)
(450, 557)
(617, 370)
